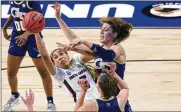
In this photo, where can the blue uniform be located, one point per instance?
(108, 106)
(18, 10)
(120, 68)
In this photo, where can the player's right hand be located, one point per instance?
(84, 84)
(6, 36)
(56, 6)
(21, 40)
(111, 71)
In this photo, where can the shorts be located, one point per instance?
(29, 46)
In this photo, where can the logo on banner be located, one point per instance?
(163, 10)
(97, 11)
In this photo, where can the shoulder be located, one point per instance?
(76, 58)
(118, 49)
(91, 103)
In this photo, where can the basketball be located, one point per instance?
(33, 22)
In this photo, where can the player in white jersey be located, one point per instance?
(67, 71)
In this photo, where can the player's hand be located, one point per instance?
(21, 40)
(5, 34)
(84, 84)
(56, 6)
(111, 71)
(75, 42)
(64, 47)
(29, 99)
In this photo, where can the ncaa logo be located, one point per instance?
(168, 10)
(68, 72)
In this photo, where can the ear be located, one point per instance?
(115, 34)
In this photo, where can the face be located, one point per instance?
(60, 58)
(97, 86)
(106, 34)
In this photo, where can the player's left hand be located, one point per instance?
(56, 6)
(84, 84)
(21, 40)
(29, 99)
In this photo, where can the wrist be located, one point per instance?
(27, 33)
(84, 91)
(30, 108)
(116, 76)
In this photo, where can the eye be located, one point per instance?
(106, 30)
(55, 57)
(61, 53)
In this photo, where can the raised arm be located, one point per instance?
(106, 54)
(66, 30)
(124, 90)
(6, 25)
(44, 54)
(89, 105)
(87, 54)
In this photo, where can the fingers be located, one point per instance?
(83, 84)
(26, 93)
(24, 101)
(56, 6)
(31, 95)
(20, 41)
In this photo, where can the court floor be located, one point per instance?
(153, 70)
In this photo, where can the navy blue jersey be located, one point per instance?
(108, 106)
(18, 10)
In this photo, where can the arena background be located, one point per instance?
(153, 70)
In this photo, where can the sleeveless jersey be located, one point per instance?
(108, 106)
(69, 77)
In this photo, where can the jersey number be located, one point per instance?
(19, 26)
(82, 77)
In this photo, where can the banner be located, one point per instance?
(85, 14)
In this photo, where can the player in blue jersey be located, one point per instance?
(113, 31)
(19, 44)
(105, 86)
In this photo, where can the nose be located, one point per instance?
(101, 31)
(60, 58)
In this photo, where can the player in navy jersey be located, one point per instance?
(105, 86)
(19, 44)
(113, 31)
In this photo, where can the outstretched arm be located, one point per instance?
(87, 54)
(124, 90)
(89, 105)
(106, 54)
(66, 30)
(44, 54)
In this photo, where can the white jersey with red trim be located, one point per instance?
(68, 78)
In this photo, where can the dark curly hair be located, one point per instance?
(121, 27)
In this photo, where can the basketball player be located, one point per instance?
(19, 44)
(113, 31)
(107, 102)
(67, 71)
